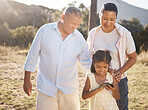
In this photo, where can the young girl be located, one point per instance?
(100, 86)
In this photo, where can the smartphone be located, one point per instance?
(106, 84)
(111, 85)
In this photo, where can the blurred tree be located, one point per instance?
(81, 6)
(18, 14)
(24, 21)
(83, 28)
(133, 25)
(23, 35)
(56, 15)
(85, 19)
(143, 39)
(72, 3)
(93, 14)
(5, 35)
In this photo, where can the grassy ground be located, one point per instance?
(12, 96)
(138, 84)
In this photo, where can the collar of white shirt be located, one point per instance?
(55, 26)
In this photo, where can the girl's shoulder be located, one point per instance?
(90, 75)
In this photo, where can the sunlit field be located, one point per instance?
(12, 96)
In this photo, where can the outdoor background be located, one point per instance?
(18, 25)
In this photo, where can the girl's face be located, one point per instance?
(108, 19)
(101, 68)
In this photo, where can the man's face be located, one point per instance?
(71, 22)
(108, 19)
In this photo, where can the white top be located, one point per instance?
(57, 59)
(108, 41)
(120, 42)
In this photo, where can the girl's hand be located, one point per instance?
(113, 86)
(102, 84)
(109, 87)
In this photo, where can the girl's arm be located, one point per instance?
(86, 90)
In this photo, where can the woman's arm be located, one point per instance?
(86, 90)
(130, 62)
(114, 89)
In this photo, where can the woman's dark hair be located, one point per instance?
(109, 7)
(100, 56)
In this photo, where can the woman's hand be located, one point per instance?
(117, 75)
(112, 86)
(110, 70)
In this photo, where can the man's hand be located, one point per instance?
(27, 83)
(27, 87)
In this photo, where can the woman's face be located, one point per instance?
(107, 20)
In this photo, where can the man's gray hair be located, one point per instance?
(73, 10)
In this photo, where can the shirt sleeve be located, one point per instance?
(130, 48)
(84, 56)
(90, 41)
(32, 57)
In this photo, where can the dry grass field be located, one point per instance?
(12, 96)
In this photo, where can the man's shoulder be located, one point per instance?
(78, 34)
(48, 25)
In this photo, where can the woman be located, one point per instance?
(118, 40)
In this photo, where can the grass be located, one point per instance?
(12, 96)
(138, 83)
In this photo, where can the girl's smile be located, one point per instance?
(101, 68)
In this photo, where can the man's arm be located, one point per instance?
(27, 83)
(31, 61)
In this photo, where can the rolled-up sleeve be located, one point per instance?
(84, 57)
(90, 41)
(130, 46)
(32, 57)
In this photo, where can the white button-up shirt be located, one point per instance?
(57, 67)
